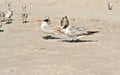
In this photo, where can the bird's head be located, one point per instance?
(46, 20)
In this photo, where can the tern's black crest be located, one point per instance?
(46, 20)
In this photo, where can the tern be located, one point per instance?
(47, 28)
(75, 32)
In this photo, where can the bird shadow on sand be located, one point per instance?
(2, 20)
(50, 37)
(8, 22)
(11, 20)
(1, 30)
(25, 21)
(78, 41)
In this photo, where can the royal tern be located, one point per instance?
(24, 14)
(47, 29)
(75, 32)
(2, 16)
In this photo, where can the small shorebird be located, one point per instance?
(8, 16)
(24, 14)
(2, 16)
(110, 5)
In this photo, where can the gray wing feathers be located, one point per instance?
(78, 31)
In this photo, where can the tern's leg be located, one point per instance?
(77, 40)
(48, 36)
(23, 20)
(3, 19)
(73, 39)
(7, 21)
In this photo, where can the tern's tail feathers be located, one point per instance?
(92, 32)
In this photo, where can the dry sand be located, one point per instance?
(23, 51)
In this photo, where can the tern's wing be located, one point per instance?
(77, 28)
(78, 31)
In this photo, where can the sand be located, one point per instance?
(24, 51)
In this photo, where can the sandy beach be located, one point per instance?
(24, 51)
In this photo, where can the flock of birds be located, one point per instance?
(7, 16)
(72, 31)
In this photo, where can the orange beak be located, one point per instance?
(39, 20)
(58, 28)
